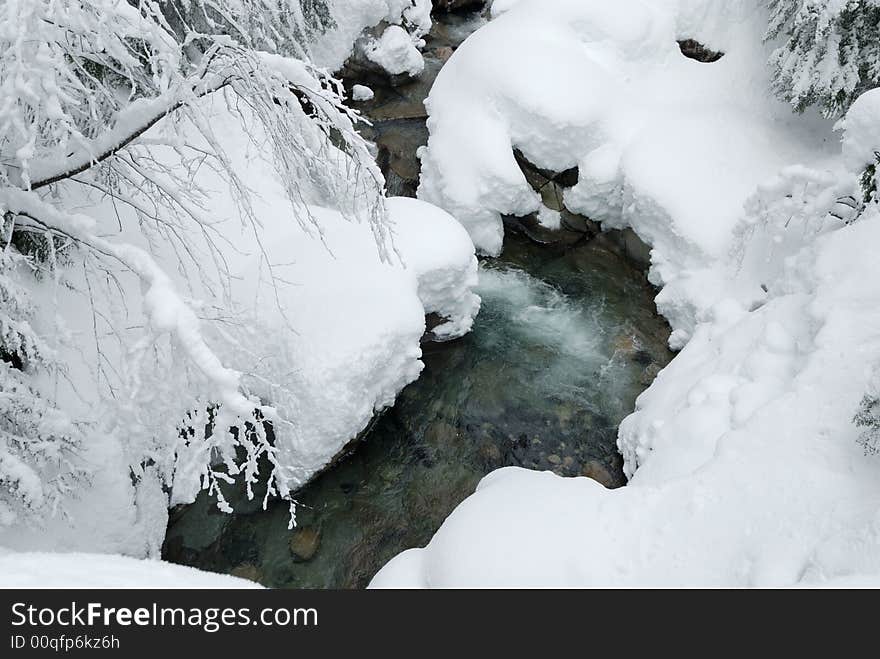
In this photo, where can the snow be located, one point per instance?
(348, 340)
(49, 570)
(361, 93)
(352, 17)
(862, 131)
(396, 52)
(744, 462)
(444, 265)
(549, 218)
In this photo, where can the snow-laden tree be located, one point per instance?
(867, 419)
(286, 26)
(831, 52)
(38, 444)
(81, 86)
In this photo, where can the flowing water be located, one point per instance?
(566, 339)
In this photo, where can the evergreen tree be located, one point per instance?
(831, 53)
(867, 419)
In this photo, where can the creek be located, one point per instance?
(566, 339)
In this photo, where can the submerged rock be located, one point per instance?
(247, 571)
(443, 53)
(304, 543)
(597, 471)
(490, 452)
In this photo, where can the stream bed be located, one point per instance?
(566, 339)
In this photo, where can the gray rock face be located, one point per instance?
(694, 50)
(574, 229)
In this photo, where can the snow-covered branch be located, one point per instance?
(165, 308)
(131, 122)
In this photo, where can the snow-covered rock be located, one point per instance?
(396, 52)
(444, 265)
(361, 93)
(343, 338)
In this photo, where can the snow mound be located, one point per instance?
(361, 93)
(343, 338)
(55, 570)
(350, 18)
(396, 52)
(861, 141)
(338, 330)
(444, 265)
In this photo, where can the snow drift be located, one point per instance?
(74, 570)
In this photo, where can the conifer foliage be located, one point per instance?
(831, 52)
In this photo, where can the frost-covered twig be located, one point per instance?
(165, 308)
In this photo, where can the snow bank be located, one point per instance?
(439, 253)
(659, 139)
(750, 473)
(47, 570)
(342, 337)
(319, 326)
(340, 332)
(744, 461)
